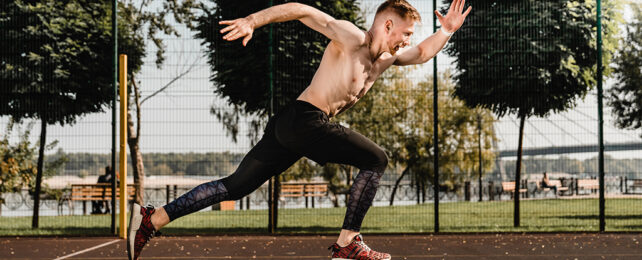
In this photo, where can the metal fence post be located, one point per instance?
(114, 31)
(600, 113)
(435, 125)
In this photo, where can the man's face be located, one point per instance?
(399, 32)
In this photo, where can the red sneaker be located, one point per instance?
(140, 230)
(357, 249)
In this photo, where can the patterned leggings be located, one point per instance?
(299, 130)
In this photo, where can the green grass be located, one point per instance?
(561, 215)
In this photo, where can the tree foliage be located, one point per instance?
(17, 169)
(55, 59)
(625, 96)
(18, 161)
(241, 74)
(528, 57)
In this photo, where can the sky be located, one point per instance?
(179, 119)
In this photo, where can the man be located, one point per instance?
(350, 65)
(97, 206)
(546, 183)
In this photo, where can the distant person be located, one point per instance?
(102, 206)
(352, 62)
(546, 183)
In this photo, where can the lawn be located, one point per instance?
(552, 215)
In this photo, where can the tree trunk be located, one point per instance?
(335, 200)
(418, 189)
(423, 192)
(518, 169)
(479, 127)
(133, 140)
(394, 189)
(137, 161)
(277, 197)
(41, 159)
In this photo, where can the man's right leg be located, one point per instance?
(248, 177)
(268, 158)
(250, 174)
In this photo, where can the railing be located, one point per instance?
(406, 194)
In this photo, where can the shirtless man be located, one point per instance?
(351, 63)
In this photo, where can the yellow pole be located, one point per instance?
(123, 149)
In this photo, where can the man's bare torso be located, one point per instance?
(343, 77)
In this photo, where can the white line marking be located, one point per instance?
(88, 249)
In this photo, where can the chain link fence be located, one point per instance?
(511, 60)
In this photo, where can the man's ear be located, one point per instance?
(388, 25)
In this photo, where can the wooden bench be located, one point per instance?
(97, 192)
(635, 184)
(587, 184)
(509, 186)
(306, 190)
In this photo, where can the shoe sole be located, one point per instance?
(353, 259)
(134, 223)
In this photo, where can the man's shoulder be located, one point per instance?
(348, 46)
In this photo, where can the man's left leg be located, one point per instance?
(307, 130)
(352, 148)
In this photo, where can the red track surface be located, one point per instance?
(459, 246)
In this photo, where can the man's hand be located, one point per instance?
(242, 27)
(454, 18)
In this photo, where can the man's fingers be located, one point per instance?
(438, 14)
(235, 36)
(246, 39)
(227, 29)
(468, 11)
(238, 36)
(230, 34)
(457, 5)
(461, 6)
(226, 22)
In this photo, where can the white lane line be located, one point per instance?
(88, 249)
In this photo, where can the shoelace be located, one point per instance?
(154, 232)
(362, 244)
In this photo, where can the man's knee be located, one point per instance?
(240, 184)
(235, 191)
(379, 161)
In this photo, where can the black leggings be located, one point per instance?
(299, 130)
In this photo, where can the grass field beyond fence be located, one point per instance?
(554, 215)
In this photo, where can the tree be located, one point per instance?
(146, 21)
(18, 168)
(530, 58)
(397, 115)
(241, 74)
(625, 96)
(51, 53)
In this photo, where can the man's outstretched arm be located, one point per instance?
(428, 48)
(342, 32)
